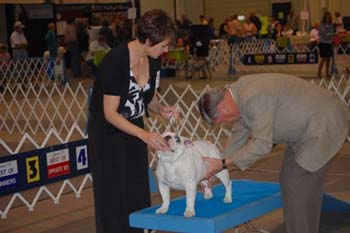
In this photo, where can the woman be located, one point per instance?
(51, 40)
(124, 89)
(249, 29)
(326, 33)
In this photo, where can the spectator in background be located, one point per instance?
(203, 19)
(278, 31)
(83, 37)
(256, 21)
(249, 30)
(49, 65)
(338, 22)
(60, 66)
(19, 42)
(23, 15)
(51, 40)
(113, 26)
(212, 26)
(222, 30)
(326, 33)
(232, 29)
(83, 41)
(183, 25)
(97, 50)
(272, 25)
(292, 21)
(4, 55)
(185, 21)
(314, 35)
(107, 32)
(287, 30)
(4, 59)
(123, 32)
(71, 41)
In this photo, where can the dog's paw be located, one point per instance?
(189, 213)
(162, 210)
(228, 199)
(208, 194)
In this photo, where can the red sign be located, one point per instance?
(58, 163)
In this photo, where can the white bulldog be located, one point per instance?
(183, 168)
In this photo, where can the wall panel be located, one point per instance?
(167, 6)
(220, 9)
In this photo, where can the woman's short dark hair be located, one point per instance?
(155, 25)
(209, 102)
(324, 18)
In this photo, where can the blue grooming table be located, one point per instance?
(251, 199)
(332, 204)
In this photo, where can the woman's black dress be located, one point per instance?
(119, 160)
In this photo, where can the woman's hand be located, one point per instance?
(215, 166)
(169, 111)
(155, 140)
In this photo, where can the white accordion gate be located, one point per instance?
(37, 133)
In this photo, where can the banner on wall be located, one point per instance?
(281, 58)
(40, 167)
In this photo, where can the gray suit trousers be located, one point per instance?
(302, 193)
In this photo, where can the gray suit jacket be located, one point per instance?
(279, 108)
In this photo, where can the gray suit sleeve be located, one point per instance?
(237, 140)
(261, 113)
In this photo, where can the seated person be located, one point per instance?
(97, 50)
(249, 29)
(277, 31)
(287, 30)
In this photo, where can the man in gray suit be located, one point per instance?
(276, 108)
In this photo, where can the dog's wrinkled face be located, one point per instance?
(175, 144)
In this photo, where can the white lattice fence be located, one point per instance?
(37, 109)
(189, 125)
(30, 71)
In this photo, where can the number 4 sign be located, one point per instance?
(81, 157)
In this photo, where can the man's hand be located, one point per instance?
(215, 166)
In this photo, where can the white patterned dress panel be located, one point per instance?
(134, 106)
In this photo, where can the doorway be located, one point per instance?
(281, 10)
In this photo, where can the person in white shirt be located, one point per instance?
(314, 35)
(19, 42)
(97, 50)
